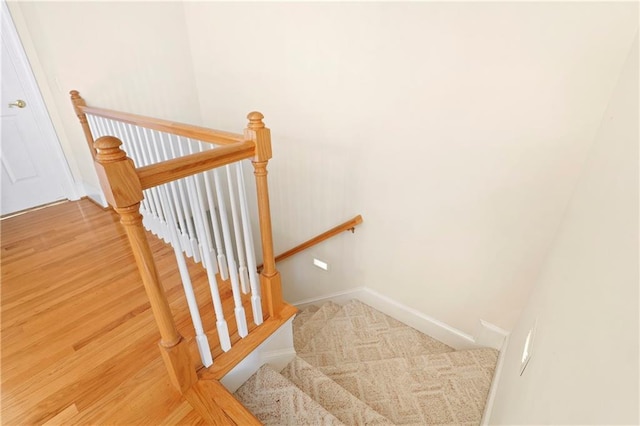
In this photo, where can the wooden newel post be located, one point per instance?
(269, 277)
(123, 191)
(78, 103)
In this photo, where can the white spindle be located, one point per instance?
(241, 319)
(184, 236)
(207, 244)
(145, 209)
(201, 337)
(221, 323)
(146, 145)
(237, 232)
(193, 242)
(256, 302)
(95, 132)
(153, 218)
(155, 155)
(222, 260)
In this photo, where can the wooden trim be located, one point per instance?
(203, 134)
(226, 361)
(177, 168)
(270, 281)
(91, 200)
(217, 405)
(349, 225)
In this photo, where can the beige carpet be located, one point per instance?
(274, 400)
(359, 366)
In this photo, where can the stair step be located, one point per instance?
(274, 400)
(334, 398)
(447, 388)
(314, 324)
(360, 333)
(356, 365)
(304, 315)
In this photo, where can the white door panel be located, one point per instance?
(31, 171)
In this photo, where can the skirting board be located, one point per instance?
(487, 334)
(94, 193)
(488, 406)
(277, 351)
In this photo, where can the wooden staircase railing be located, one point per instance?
(123, 184)
(349, 225)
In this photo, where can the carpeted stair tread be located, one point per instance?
(274, 400)
(437, 389)
(335, 399)
(304, 315)
(313, 324)
(359, 333)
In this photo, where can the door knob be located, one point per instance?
(19, 103)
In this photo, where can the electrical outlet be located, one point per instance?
(320, 264)
(527, 351)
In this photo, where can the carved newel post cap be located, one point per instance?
(108, 149)
(255, 120)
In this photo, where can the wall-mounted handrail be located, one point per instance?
(178, 168)
(349, 225)
(187, 130)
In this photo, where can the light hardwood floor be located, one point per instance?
(78, 338)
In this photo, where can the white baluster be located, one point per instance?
(256, 302)
(242, 267)
(206, 245)
(241, 318)
(150, 194)
(95, 132)
(127, 134)
(184, 237)
(222, 260)
(195, 249)
(154, 197)
(201, 337)
(221, 323)
(154, 154)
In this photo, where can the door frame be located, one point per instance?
(27, 79)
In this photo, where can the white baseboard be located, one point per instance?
(488, 406)
(276, 351)
(487, 334)
(490, 336)
(94, 193)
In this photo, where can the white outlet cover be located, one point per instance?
(528, 348)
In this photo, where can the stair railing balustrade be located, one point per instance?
(186, 185)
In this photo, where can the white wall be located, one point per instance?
(132, 56)
(458, 130)
(584, 368)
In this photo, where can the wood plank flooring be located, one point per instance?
(79, 344)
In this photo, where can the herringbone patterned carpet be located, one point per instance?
(357, 366)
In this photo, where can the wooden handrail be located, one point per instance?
(187, 130)
(177, 168)
(349, 225)
(123, 184)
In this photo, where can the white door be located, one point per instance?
(32, 171)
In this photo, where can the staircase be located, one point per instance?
(186, 184)
(356, 365)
